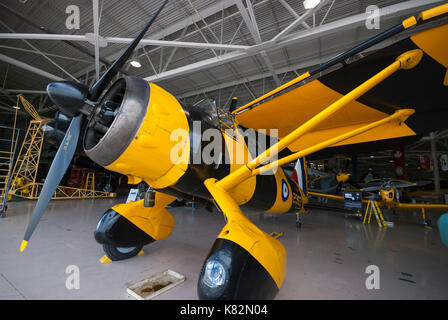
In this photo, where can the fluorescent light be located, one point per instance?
(136, 64)
(310, 4)
(16, 107)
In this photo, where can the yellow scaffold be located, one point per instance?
(373, 208)
(23, 181)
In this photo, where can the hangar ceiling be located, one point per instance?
(196, 49)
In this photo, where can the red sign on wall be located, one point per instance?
(425, 163)
(399, 163)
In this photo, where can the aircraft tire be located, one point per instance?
(117, 253)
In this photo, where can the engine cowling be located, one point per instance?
(140, 117)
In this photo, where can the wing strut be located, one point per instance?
(398, 116)
(406, 60)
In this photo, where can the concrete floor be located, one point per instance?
(327, 258)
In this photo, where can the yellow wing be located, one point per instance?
(423, 88)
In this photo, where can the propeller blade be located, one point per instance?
(371, 189)
(57, 170)
(102, 83)
(404, 185)
(70, 98)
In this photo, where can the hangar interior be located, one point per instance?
(204, 51)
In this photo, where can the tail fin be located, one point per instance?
(299, 175)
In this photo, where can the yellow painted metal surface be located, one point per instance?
(292, 109)
(25, 169)
(413, 206)
(105, 259)
(433, 12)
(244, 191)
(397, 119)
(386, 131)
(281, 205)
(433, 42)
(342, 177)
(155, 221)
(387, 195)
(373, 209)
(312, 108)
(6, 165)
(90, 181)
(154, 155)
(409, 22)
(404, 61)
(29, 108)
(31, 190)
(276, 90)
(23, 245)
(268, 251)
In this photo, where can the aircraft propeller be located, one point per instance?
(81, 103)
(389, 184)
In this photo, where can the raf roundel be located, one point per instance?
(285, 191)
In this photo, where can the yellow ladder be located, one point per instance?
(5, 169)
(373, 208)
(90, 182)
(6, 162)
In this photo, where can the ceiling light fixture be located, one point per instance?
(136, 64)
(310, 4)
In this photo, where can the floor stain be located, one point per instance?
(406, 274)
(154, 288)
(407, 280)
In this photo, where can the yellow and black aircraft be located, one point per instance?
(385, 193)
(129, 129)
(327, 182)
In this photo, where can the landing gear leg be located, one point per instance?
(299, 217)
(3, 211)
(299, 220)
(426, 221)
